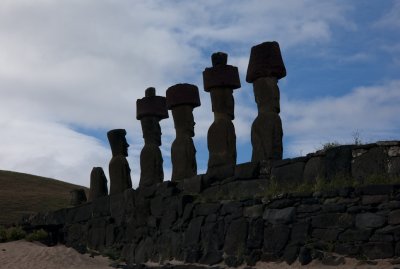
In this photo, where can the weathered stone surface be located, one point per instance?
(192, 234)
(279, 216)
(305, 256)
(300, 232)
(236, 236)
(275, 239)
(378, 250)
(377, 237)
(150, 110)
(181, 99)
(314, 168)
(266, 130)
(78, 197)
(221, 137)
(394, 167)
(205, 209)
(369, 220)
(371, 163)
(394, 217)
(101, 206)
(193, 184)
(119, 170)
(253, 211)
(98, 184)
(281, 203)
(249, 170)
(333, 220)
(338, 162)
(288, 174)
(334, 208)
(353, 235)
(256, 229)
(375, 189)
(233, 261)
(347, 248)
(308, 208)
(290, 254)
(374, 199)
(326, 234)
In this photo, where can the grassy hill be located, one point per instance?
(24, 194)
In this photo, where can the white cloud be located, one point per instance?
(391, 19)
(371, 110)
(84, 64)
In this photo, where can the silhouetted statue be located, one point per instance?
(265, 68)
(220, 80)
(181, 99)
(120, 172)
(150, 110)
(78, 197)
(98, 184)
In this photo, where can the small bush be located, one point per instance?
(15, 233)
(3, 234)
(37, 235)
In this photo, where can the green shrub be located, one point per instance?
(15, 233)
(37, 235)
(3, 234)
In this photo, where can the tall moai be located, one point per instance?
(220, 80)
(119, 170)
(98, 184)
(181, 100)
(150, 110)
(265, 68)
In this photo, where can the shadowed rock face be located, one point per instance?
(181, 99)
(150, 110)
(220, 80)
(78, 196)
(120, 172)
(98, 183)
(265, 68)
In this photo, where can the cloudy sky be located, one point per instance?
(72, 70)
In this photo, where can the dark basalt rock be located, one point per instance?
(78, 197)
(98, 184)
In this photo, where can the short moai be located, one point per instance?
(220, 80)
(119, 170)
(78, 197)
(98, 184)
(150, 110)
(182, 99)
(265, 68)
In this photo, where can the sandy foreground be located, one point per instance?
(32, 255)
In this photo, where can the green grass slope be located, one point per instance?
(25, 194)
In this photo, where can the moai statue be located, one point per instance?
(182, 99)
(150, 110)
(78, 197)
(265, 68)
(120, 172)
(98, 184)
(220, 80)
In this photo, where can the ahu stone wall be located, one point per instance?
(209, 219)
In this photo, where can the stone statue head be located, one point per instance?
(118, 143)
(183, 120)
(223, 102)
(151, 130)
(267, 95)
